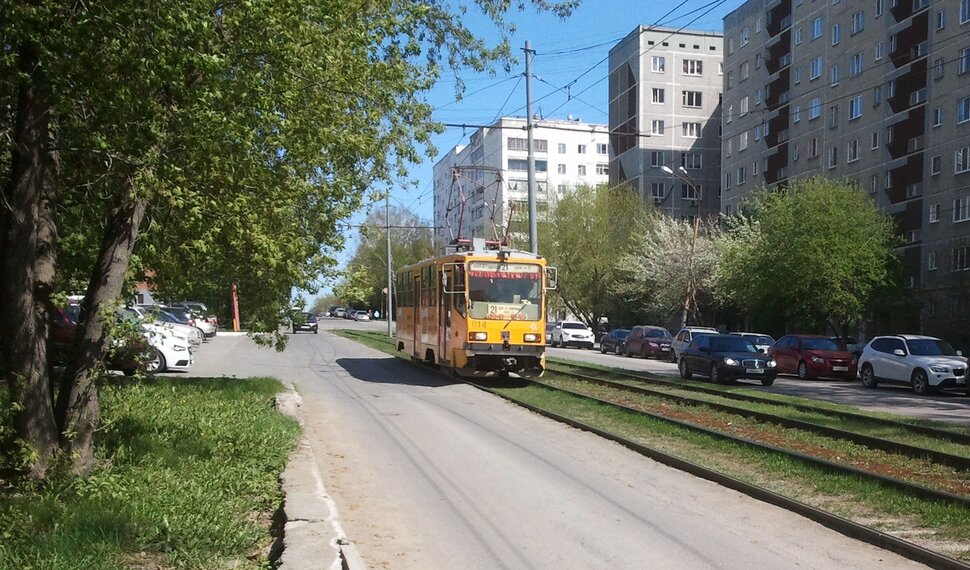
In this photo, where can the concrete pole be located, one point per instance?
(390, 275)
(533, 224)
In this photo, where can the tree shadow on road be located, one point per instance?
(395, 371)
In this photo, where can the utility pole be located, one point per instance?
(533, 228)
(390, 276)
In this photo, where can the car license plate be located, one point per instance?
(755, 370)
(664, 349)
(840, 369)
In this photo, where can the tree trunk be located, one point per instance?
(78, 409)
(27, 268)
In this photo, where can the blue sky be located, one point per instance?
(574, 49)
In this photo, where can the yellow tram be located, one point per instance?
(479, 310)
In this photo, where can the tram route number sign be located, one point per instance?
(505, 312)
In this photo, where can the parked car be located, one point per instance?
(361, 316)
(724, 358)
(812, 356)
(338, 312)
(304, 322)
(685, 337)
(200, 310)
(573, 333)
(184, 333)
(760, 341)
(925, 363)
(614, 341)
(647, 341)
(187, 317)
(549, 326)
(149, 315)
(349, 313)
(166, 351)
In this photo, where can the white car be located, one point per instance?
(760, 341)
(573, 333)
(684, 337)
(922, 362)
(189, 335)
(169, 353)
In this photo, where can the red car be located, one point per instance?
(127, 356)
(812, 356)
(647, 341)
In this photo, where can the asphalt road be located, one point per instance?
(947, 406)
(428, 474)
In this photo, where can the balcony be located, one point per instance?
(777, 167)
(779, 18)
(909, 90)
(778, 52)
(907, 180)
(910, 42)
(907, 8)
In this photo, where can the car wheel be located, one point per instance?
(314, 330)
(618, 350)
(715, 376)
(869, 377)
(673, 356)
(602, 348)
(643, 353)
(626, 351)
(921, 384)
(157, 363)
(767, 381)
(803, 371)
(684, 370)
(129, 372)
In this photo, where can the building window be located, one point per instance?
(880, 50)
(657, 190)
(757, 96)
(961, 209)
(814, 108)
(940, 20)
(964, 11)
(602, 148)
(742, 143)
(858, 22)
(729, 149)
(796, 114)
(833, 157)
(937, 116)
(934, 213)
(833, 116)
(692, 98)
(729, 82)
(757, 61)
(757, 133)
(875, 140)
(857, 64)
(745, 36)
(931, 260)
(581, 149)
(964, 60)
(658, 64)
(692, 130)
(836, 34)
(961, 262)
(836, 74)
(691, 160)
(742, 176)
(879, 7)
(744, 105)
(961, 160)
(658, 95)
(561, 188)
(729, 116)
(938, 68)
(794, 153)
(727, 180)
(852, 151)
(936, 165)
(963, 108)
(816, 68)
(855, 107)
(602, 169)
(745, 71)
(798, 75)
(757, 25)
(693, 67)
(798, 36)
(813, 147)
(656, 127)
(657, 159)
(582, 169)
(561, 147)
(754, 168)
(561, 169)
(688, 192)
(816, 29)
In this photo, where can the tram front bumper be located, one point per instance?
(485, 359)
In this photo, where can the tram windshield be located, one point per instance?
(504, 291)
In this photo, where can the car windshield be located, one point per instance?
(819, 344)
(620, 333)
(657, 333)
(731, 344)
(930, 347)
(504, 291)
(760, 339)
(574, 326)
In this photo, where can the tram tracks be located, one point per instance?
(624, 399)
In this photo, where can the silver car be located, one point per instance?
(684, 337)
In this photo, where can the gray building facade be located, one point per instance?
(877, 91)
(665, 110)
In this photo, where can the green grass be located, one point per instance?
(188, 478)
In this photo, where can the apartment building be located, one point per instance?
(877, 91)
(475, 185)
(665, 111)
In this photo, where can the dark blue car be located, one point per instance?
(724, 358)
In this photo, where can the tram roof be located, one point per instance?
(477, 248)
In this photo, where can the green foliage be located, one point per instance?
(817, 251)
(588, 231)
(189, 467)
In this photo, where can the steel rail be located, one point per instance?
(953, 436)
(832, 521)
(940, 457)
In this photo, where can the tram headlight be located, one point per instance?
(479, 336)
(530, 337)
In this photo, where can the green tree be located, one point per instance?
(588, 230)
(201, 143)
(817, 251)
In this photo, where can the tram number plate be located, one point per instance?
(840, 369)
(755, 370)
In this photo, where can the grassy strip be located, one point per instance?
(583, 367)
(942, 527)
(922, 472)
(189, 478)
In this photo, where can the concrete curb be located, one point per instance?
(312, 535)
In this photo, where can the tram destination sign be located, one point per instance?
(503, 270)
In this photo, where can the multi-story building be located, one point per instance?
(872, 90)
(665, 111)
(475, 184)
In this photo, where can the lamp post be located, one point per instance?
(681, 173)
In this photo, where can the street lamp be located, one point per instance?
(695, 190)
